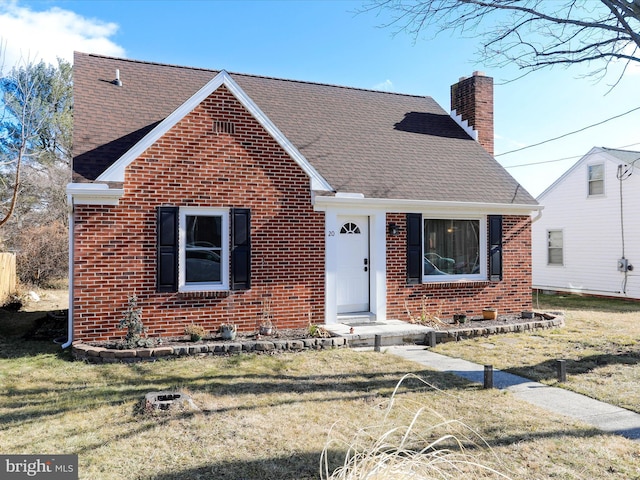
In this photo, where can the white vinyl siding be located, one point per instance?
(591, 232)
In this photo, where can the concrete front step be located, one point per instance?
(396, 332)
(386, 340)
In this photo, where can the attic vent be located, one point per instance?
(224, 127)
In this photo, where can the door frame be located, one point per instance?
(377, 260)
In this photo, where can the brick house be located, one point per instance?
(206, 193)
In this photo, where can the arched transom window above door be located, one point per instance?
(350, 229)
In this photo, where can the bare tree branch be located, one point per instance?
(530, 34)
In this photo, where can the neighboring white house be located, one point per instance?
(587, 239)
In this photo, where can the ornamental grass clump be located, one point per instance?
(424, 445)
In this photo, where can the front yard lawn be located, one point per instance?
(268, 416)
(600, 343)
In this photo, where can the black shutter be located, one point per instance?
(495, 247)
(240, 248)
(167, 268)
(414, 248)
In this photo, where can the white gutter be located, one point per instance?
(321, 203)
(537, 217)
(94, 194)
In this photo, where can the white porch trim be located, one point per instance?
(377, 261)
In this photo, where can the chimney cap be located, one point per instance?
(478, 73)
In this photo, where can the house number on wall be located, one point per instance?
(331, 233)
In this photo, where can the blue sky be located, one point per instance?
(328, 42)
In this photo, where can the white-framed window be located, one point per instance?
(555, 247)
(595, 179)
(203, 249)
(454, 249)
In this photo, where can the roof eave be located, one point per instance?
(94, 194)
(322, 203)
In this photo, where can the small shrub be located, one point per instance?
(196, 332)
(132, 321)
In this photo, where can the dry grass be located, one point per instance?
(600, 343)
(270, 417)
(429, 446)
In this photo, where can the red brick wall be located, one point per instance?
(472, 99)
(511, 295)
(115, 247)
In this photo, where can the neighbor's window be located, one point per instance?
(596, 179)
(203, 249)
(451, 248)
(554, 247)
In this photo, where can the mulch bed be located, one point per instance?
(54, 325)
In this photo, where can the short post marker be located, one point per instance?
(562, 370)
(488, 376)
(432, 338)
(377, 343)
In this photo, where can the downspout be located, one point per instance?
(537, 217)
(69, 341)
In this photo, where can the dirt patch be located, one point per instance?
(45, 300)
(36, 315)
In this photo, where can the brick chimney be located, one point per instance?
(472, 99)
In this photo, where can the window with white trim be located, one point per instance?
(596, 179)
(555, 247)
(454, 249)
(203, 249)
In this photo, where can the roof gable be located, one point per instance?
(115, 172)
(595, 155)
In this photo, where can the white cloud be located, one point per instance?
(29, 35)
(386, 86)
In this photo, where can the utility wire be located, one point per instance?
(569, 133)
(564, 158)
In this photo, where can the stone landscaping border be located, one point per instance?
(462, 333)
(96, 354)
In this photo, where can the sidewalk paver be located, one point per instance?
(603, 416)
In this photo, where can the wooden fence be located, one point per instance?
(7, 276)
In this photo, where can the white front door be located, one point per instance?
(353, 264)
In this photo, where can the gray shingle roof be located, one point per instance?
(384, 145)
(627, 156)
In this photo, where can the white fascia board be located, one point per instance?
(322, 203)
(94, 194)
(589, 154)
(115, 173)
(317, 181)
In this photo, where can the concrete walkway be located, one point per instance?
(600, 415)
